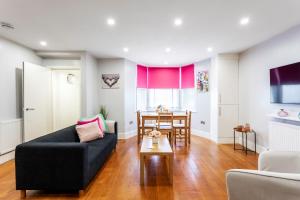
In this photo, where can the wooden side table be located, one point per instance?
(245, 131)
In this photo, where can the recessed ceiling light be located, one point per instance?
(166, 62)
(168, 49)
(43, 43)
(125, 49)
(244, 21)
(178, 22)
(210, 49)
(111, 21)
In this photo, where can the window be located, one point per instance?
(173, 99)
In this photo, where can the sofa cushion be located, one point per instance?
(98, 151)
(96, 119)
(102, 121)
(89, 132)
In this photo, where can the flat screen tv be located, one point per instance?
(285, 84)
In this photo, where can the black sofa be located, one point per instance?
(59, 162)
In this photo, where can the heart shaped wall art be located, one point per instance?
(110, 81)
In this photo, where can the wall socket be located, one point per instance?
(202, 122)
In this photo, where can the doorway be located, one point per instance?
(51, 99)
(66, 97)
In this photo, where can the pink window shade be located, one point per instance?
(187, 76)
(141, 76)
(161, 77)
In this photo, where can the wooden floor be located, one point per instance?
(199, 173)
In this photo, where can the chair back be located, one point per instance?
(165, 118)
(138, 118)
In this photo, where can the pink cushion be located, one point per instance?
(89, 131)
(90, 121)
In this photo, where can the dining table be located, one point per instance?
(153, 116)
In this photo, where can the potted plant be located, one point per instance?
(104, 112)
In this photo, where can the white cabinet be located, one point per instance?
(224, 97)
(284, 135)
(228, 118)
(227, 80)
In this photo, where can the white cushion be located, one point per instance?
(111, 126)
(178, 125)
(89, 132)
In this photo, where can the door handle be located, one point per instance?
(220, 111)
(30, 109)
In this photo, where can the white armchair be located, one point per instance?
(277, 178)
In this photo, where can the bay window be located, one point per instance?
(171, 87)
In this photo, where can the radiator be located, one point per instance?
(10, 135)
(284, 136)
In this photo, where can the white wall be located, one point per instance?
(121, 103)
(113, 99)
(202, 104)
(62, 63)
(90, 85)
(66, 98)
(254, 89)
(11, 57)
(130, 97)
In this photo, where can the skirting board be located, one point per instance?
(259, 148)
(201, 133)
(6, 157)
(229, 140)
(127, 135)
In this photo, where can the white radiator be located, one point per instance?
(284, 136)
(10, 135)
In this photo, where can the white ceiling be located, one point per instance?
(146, 26)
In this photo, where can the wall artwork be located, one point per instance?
(110, 81)
(202, 81)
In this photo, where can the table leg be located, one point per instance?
(142, 169)
(246, 143)
(233, 139)
(254, 141)
(243, 140)
(171, 168)
(185, 132)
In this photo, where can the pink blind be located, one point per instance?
(142, 76)
(187, 76)
(162, 77)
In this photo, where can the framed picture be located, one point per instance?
(110, 81)
(202, 81)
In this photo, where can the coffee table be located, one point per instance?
(163, 148)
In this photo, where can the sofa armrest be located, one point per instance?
(262, 185)
(279, 161)
(49, 165)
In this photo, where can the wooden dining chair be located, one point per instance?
(147, 126)
(189, 126)
(165, 125)
(180, 127)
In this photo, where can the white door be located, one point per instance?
(66, 98)
(228, 119)
(37, 101)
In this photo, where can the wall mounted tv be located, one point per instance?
(285, 84)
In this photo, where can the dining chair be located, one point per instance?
(165, 125)
(189, 126)
(147, 126)
(180, 127)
